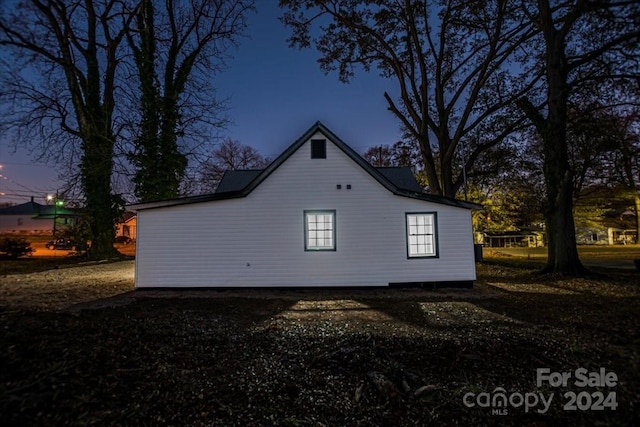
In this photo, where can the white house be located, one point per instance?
(33, 218)
(319, 215)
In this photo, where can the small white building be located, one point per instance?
(319, 215)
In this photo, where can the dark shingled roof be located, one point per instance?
(237, 180)
(401, 177)
(386, 179)
(29, 208)
(36, 210)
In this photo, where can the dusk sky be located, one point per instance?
(276, 93)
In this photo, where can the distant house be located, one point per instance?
(511, 239)
(613, 228)
(34, 218)
(126, 226)
(605, 236)
(319, 215)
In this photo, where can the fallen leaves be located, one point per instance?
(320, 358)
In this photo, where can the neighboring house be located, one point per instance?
(34, 218)
(126, 226)
(613, 228)
(593, 236)
(605, 236)
(319, 215)
(511, 239)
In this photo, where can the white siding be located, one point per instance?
(25, 224)
(259, 240)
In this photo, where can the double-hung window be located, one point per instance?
(421, 235)
(320, 230)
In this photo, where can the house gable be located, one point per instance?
(235, 187)
(236, 180)
(319, 215)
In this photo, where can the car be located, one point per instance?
(124, 240)
(60, 244)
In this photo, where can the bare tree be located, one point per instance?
(450, 59)
(401, 153)
(62, 86)
(582, 42)
(229, 155)
(379, 156)
(177, 47)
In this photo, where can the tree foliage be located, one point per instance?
(450, 59)
(68, 86)
(74, 49)
(15, 247)
(581, 42)
(177, 47)
(611, 161)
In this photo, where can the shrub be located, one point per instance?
(14, 247)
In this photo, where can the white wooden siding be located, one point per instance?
(259, 240)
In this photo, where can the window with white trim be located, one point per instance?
(421, 235)
(320, 230)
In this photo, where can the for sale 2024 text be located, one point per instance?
(597, 400)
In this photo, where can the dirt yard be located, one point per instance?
(80, 346)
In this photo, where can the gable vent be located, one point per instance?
(318, 148)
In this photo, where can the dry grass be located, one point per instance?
(587, 253)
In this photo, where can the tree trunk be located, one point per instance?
(96, 168)
(174, 163)
(562, 251)
(637, 209)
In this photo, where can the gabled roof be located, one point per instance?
(126, 217)
(29, 208)
(36, 210)
(379, 176)
(236, 180)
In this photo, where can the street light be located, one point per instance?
(56, 202)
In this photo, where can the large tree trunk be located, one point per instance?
(562, 250)
(96, 168)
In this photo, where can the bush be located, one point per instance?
(14, 247)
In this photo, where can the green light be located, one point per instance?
(59, 202)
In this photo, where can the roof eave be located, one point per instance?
(439, 199)
(185, 201)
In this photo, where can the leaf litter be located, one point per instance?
(314, 358)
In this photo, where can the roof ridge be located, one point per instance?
(278, 161)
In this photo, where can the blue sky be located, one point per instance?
(276, 93)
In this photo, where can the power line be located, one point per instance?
(26, 164)
(36, 190)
